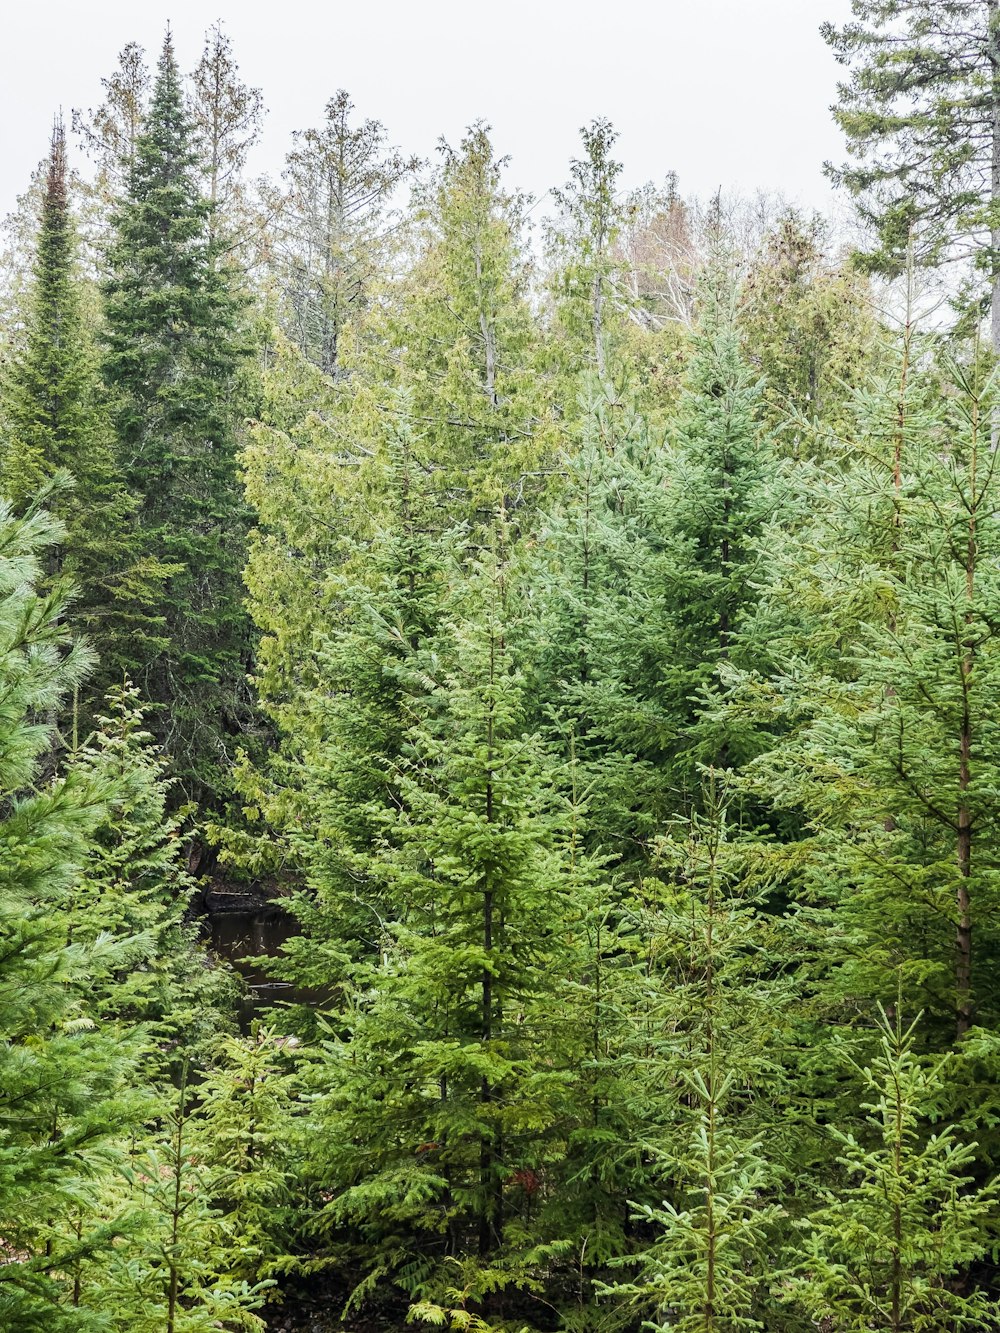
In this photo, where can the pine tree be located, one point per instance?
(583, 242)
(922, 118)
(247, 1134)
(226, 118)
(883, 657)
(721, 498)
(172, 355)
(808, 330)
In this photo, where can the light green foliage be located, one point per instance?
(459, 329)
(587, 282)
(134, 887)
(176, 1277)
(332, 223)
(884, 690)
(716, 1024)
(903, 1217)
(809, 331)
(246, 1132)
(64, 1073)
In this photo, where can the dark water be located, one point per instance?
(247, 940)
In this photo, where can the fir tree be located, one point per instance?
(715, 1037)
(56, 431)
(172, 354)
(903, 1220)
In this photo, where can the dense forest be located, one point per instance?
(580, 626)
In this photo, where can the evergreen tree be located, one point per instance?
(226, 118)
(880, 687)
(722, 497)
(439, 1098)
(135, 887)
(246, 1132)
(716, 1031)
(340, 179)
(588, 276)
(65, 1073)
(808, 330)
(179, 1276)
(459, 334)
(56, 430)
(903, 1220)
(922, 118)
(172, 354)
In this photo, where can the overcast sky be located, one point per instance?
(725, 92)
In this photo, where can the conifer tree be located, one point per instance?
(716, 1028)
(903, 1219)
(808, 329)
(583, 241)
(340, 179)
(246, 1133)
(135, 887)
(226, 117)
(888, 744)
(921, 113)
(171, 360)
(65, 1073)
(179, 1276)
(436, 1096)
(721, 500)
(464, 342)
(56, 430)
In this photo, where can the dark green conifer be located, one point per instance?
(171, 363)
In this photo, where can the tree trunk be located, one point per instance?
(993, 49)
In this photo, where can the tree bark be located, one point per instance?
(993, 50)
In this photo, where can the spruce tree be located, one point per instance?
(58, 439)
(439, 1100)
(171, 361)
(715, 1032)
(899, 1225)
(65, 1072)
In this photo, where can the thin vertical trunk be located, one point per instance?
(490, 1221)
(963, 930)
(993, 50)
(173, 1288)
(598, 324)
(487, 327)
(897, 1230)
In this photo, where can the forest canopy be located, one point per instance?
(568, 641)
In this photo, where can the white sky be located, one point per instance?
(725, 92)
